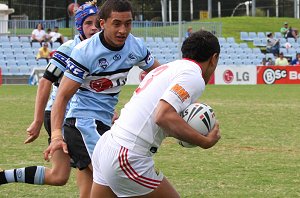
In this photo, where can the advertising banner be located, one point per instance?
(278, 75)
(235, 75)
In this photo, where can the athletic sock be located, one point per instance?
(29, 175)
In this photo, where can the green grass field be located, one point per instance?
(258, 155)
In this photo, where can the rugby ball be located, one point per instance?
(201, 117)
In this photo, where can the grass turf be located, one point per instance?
(258, 155)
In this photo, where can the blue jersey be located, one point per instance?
(59, 60)
(102, 71)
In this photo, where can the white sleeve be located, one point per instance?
(185, 89)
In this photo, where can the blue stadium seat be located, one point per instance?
(252, 36)
(36, 45)
(22, 62)
(149, 39)
(261, 35)
(244, 36)
(33, 63)
(158, 39)
(168, 40)
(26, 45)
(5, 71)
(4, 38)
(25, 70)
(14, 39)
(277, 35)
(55, 45)
(5, 44)
(10, 57)
(243, 45)
(12, 63)
(24, 39)
(222, 40)
(256, 50)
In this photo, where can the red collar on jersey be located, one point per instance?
(194, 62)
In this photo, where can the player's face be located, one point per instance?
(116, 28)
(211, 68)
(89, 27)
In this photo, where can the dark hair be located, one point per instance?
(114, 6)
(200, 46)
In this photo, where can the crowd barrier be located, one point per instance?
(224, 75)
(240, 75)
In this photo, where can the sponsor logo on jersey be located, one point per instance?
(117, 57)
(131, 56)
(75, 69)
(180, 92)
(103, 63)
(148, 58)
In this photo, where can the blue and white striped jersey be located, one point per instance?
(59, 60)
(102, 71)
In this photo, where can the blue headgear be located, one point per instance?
(82, 13)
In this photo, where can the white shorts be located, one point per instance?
(125, 172)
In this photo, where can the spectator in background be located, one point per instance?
(44, 52)
(281, 60)
(284, 29)
(296, 61)
(56, 36)
(189, 32)
(48, 37)
(292, 33)
(38, 34)
(272, 44)
(270, 62)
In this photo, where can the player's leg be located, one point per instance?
(84, 180)
(101, 191)
(59, 174)
(29, 175)
(165, 189)
(81, 136)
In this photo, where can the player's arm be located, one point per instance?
(170, 121)
(155, 65)
(42, 96)
(66, 90)
(52, 74)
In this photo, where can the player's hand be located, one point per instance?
(55, 145)
(115, 117)
(33, 132)
(214, 135)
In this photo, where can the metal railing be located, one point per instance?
(140, 28)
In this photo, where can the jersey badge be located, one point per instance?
(180, 92)
(117, 57)
(131, 56)
(103, 63)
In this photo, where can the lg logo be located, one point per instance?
(229, 76)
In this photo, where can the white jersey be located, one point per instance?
(179, 83)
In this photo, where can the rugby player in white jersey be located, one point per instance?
(85, 22)
(96, 71)
(122, 159)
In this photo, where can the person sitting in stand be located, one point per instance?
(38, 34)
(44, 52)
(272, 44)
(296, 61)
(281, 60)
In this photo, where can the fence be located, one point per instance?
(140, 28)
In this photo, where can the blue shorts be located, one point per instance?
(81, 136)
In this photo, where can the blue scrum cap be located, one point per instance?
(84, 11)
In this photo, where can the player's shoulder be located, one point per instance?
(88, 43)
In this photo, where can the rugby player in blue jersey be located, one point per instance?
(85, 22)
(96, 71)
